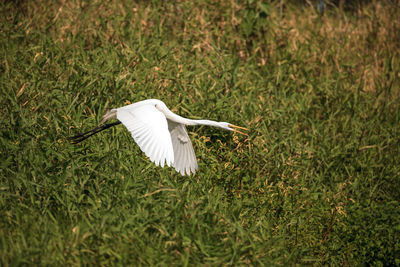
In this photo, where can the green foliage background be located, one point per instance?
(317, 181)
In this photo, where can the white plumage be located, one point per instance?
(184, 156)
(160, 133)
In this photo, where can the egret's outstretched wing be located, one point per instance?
(149, 129)
(185, 159)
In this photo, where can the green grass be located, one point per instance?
(316, 182)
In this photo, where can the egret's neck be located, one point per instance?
(176, 118)
(185, 121)
(206, 122)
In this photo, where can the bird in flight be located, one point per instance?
(160, 133)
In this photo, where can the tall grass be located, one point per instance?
(316, 182)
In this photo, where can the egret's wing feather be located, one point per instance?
(149, 129)
(185, 158)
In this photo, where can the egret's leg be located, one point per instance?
(80, 137)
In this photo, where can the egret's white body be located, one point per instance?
(160, 133)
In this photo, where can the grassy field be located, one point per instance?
(317, 181)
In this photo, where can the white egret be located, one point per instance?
(160, 133)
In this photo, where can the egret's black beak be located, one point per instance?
(80, 137)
